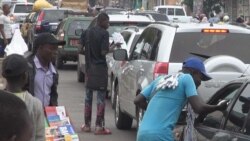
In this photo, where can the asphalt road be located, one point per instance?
(71, 95)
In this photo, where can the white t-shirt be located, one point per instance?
(5, 20)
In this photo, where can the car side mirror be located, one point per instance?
(120, 55)
(78, 32)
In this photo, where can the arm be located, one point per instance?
(105, 44)
(199, 106)
(54, 94)
(40, 126)
(197, 103)
(3, 34)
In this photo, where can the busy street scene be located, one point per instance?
(124, 70)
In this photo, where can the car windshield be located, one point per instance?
(23, 8)
(207, 45)
(79, 24)
(119, 26)
(54, 15)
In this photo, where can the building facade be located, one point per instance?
(236, 8)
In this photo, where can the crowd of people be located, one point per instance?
(32, 85)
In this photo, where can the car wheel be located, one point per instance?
(80, 74)
(139, 116)
(113, 94)
(122, 120)
(59, 62)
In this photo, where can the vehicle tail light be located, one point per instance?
(39, 20)
(160, 69)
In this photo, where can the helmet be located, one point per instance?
(226, 18)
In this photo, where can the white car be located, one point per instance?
(130, 34)
(175, 13)
(161, 49)
(20, 10)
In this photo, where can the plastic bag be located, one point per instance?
(39, 4)
(17, 44)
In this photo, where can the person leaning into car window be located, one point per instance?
(168, 95)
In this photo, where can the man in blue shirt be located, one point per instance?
(168, 95)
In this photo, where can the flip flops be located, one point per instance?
(102, 131)
(85, 128)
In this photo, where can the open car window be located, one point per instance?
(228, 93)
(238, 119)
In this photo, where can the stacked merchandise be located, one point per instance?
(58, 126)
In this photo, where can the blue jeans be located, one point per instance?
(100, 107)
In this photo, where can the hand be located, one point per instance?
(222, 105)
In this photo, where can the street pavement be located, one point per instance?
(71, 95)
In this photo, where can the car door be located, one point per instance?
(218, 122)
(140, 65)
(237, 122)
(128, 77)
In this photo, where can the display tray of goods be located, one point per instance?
(58, 126)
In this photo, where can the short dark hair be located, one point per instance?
(14, 116)
(102, 16)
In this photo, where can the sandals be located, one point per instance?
(85, 128)
(102, 131)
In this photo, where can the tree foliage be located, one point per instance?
(189, 3)
(208, 5)
(212, 5)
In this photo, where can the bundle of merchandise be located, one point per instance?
(58, 126)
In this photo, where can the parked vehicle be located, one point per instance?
(46, 20)
(66, 31)
(153, 15)
(117, 24)
(161, 49)
(20, 11)
(175, 13)
(131, 35)
(232, 124)
(113, 10)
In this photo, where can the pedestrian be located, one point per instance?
(213, 18)
(168, 95)
(96, 43)
(5, 29)
(14, 119)
(43, 75)
(14, 70)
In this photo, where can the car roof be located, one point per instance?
(196, 27)
(55, 8)
(128, 18)
(133, 31)
(24, 3)
(80, 18)
(169, 6)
